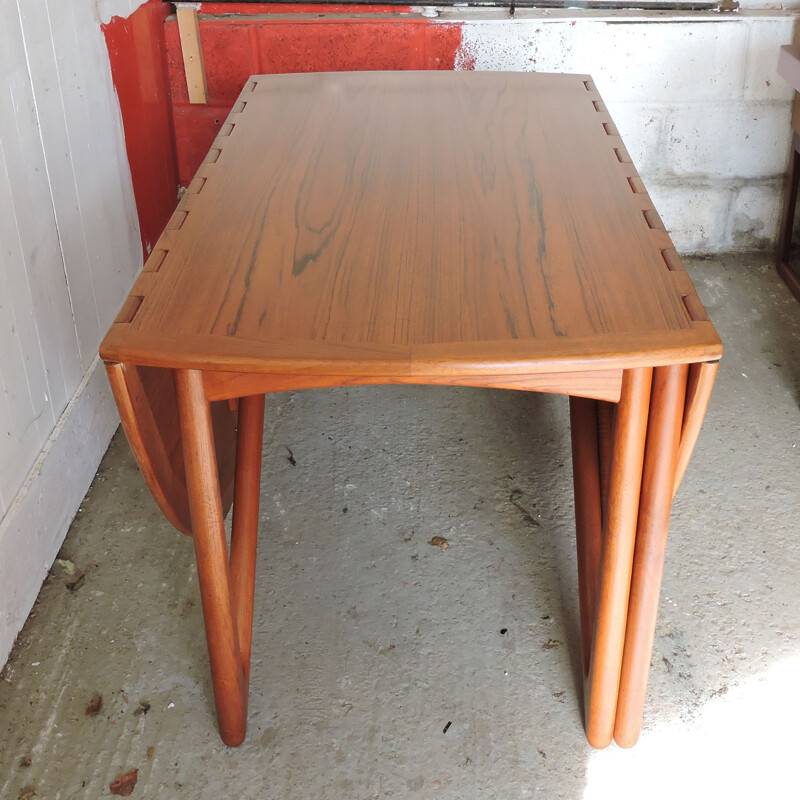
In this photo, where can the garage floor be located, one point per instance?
(385, 666)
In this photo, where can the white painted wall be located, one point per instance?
(69, 251)
(697, 99)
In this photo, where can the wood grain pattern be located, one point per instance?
(588, 514)
(619, 536)
(386, 220)
(211, 548)
(244, 528)
(661, 452)
(603, 384)
(147, 405)
(192, 51)
(698, 394)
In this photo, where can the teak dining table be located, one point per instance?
(460, 228)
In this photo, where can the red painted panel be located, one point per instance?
(236, 47)
(196, 127)
(138, 67)
(296, 8)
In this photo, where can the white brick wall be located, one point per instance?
(697, 99)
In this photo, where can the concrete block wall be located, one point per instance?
(697, 99)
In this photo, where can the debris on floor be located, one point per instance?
(440, 542)
(123, 785)
(95, 705)
(527, 517)
(67, 565)
(143, 708)
(73, 586)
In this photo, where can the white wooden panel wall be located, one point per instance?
(69, 252)
(68, 232)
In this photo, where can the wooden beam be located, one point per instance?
(192, 50)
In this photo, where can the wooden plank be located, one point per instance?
(598, 384)
(192, 50)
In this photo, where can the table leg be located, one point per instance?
(586, 478)
(661, 456)
(205, 505)
(244, 534)
(605, 427)
(625, 476)
(787, 220)
(699, 384)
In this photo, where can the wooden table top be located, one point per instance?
(393, 222)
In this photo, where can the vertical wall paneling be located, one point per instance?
(21, 363)
(69, 252)
(46, 75)
(37, 290)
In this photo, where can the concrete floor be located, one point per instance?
(386, 667)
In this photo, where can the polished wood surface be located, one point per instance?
(213, 567)
(147, 406)
(698, 394)
(391, 223)
(619, 536)
(244, 527)
(603, 384)
(467, 229)
(663, 435)
(588, 514)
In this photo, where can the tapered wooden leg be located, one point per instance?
(588, 514)
(698, 392)
(661, 453)
(605, 427)
(789, 275)
(602, 683)
(787, 220)
(213, 569)
(244, 535)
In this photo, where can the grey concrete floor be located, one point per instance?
(387, 667)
